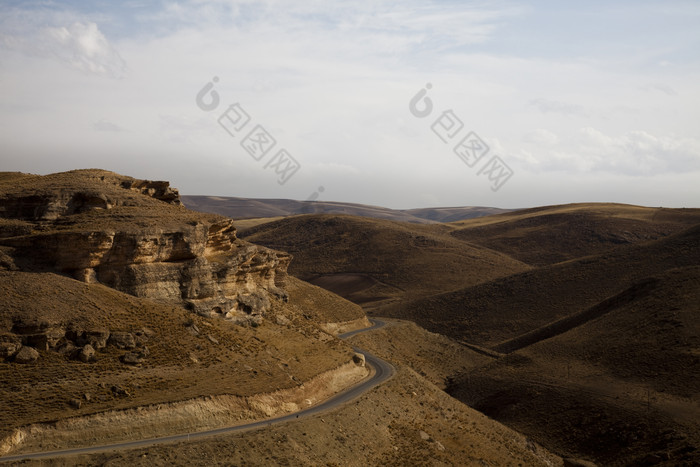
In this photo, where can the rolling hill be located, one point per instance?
(552, 234)
(622, 388)
(245, 208)
(490, 313)
(125, 316)
(374, 262)
(590, 349)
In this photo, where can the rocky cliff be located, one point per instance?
(136, 237)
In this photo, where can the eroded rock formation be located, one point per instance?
(134, 236)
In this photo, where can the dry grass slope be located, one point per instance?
(552, 234)
(623, 388)
(491, 313)
(220, 359)
(249, 208)
(374, 261)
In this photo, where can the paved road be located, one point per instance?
(382, 372)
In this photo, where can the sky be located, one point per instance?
(402, 104)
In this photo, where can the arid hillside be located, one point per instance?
(591, 348)
(126, 316)
(552, 234)
(490, 313)
(622, 388)
(96, 349)
(375, 262)
(115, 296)
(251, 208)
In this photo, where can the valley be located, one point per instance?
(560, 335)
(127, 317)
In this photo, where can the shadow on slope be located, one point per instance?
(552, 234)
(623, 388)
(374, 261)
(490, 313)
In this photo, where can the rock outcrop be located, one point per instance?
(26, 355)
(22, 343)
(86, 354)
(51, 197)
(134, 236)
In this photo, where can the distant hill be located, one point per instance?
(246, 208)
(551, 234)
(491, 313)
(374, 261)
(587, 312)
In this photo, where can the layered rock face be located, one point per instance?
(75, 192)
(133, 236)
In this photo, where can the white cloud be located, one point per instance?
(541, 137)
(661, 87)
(104, 125)
(591, 150)
(549, 105)
(80, 45)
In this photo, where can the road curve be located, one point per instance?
(382, 372)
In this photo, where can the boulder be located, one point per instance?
(282, 320)
(9, 345)
(66, 348)
(142, 335)
(122, 340)
(8, 349)
(97, 338)
(41, 336)
(212, 339)
(26, 355)
(86, 354)
(55, 335)
(252, 303)
(119, 390)
(6, 261)
(132, 358)
(76, 403)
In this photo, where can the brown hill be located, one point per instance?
(491, 313)
(374, 262)
(600, 270)
(172, 347)
(244, 208)
(622, 388)
(124, 334)
(134, 236)
(552, 234)
(455, 214)
(125, 316)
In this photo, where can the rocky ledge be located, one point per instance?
(135, 236)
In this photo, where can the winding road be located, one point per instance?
(382, 372)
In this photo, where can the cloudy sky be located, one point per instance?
(395, 103)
